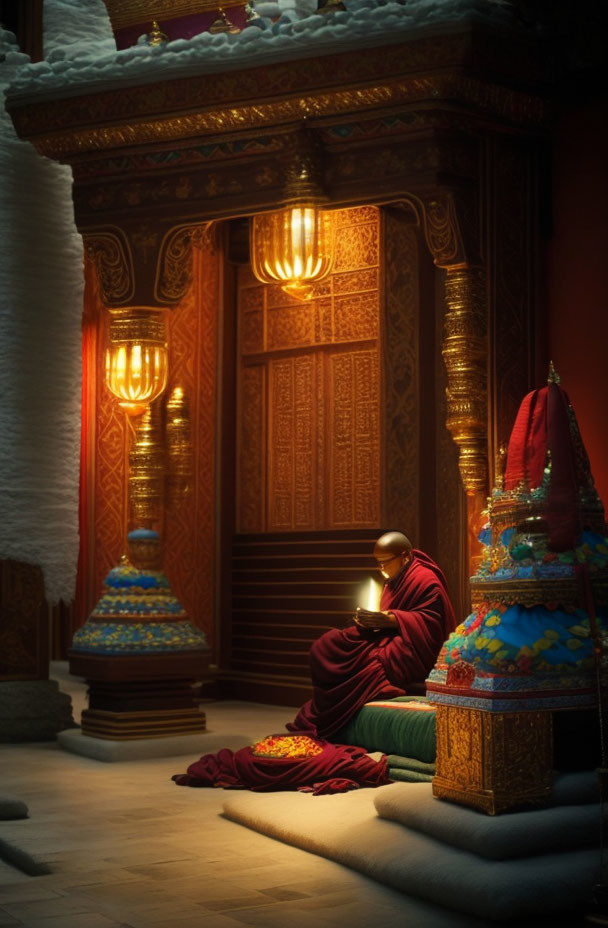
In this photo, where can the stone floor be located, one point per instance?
(129, 848)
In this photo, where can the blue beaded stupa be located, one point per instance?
(141, 655)
(137, 612)
(535, 636)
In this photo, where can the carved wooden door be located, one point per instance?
(309, 436)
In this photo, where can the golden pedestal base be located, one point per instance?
(123, 726)
(493, 761)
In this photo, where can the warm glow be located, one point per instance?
(293, 247)
(369, 598)
(136, 359)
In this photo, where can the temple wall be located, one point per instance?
(577, 274)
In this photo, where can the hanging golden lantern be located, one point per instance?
(136, 357)
(294, 246)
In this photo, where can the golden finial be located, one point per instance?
(500, 466)
(223, 24)
(252, 15)
(553, 375)
(156, 36)
(330, 6)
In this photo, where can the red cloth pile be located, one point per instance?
(336, 769)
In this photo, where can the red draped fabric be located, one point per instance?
(527, 451)
(336, 769)
(542, 425)
(351, 666)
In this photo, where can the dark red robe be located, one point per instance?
(352, 666)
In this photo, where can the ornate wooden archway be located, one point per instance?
(445, 128)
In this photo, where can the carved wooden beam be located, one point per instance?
(144, 264)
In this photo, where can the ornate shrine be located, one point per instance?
(430, 150)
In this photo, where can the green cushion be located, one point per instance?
(393, 728)
(408, 776)
(410, 763)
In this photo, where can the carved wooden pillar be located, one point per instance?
(465, 348)
(465, 353)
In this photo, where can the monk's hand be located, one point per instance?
(365, 618)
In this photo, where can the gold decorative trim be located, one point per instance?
(111, 254)
(313, 105)
(442, 232)
(493, 761)
(125, 13)
(465, 355)
(535, 592)
(147, 462)
(179, 444)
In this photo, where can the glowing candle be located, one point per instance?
(371, 596)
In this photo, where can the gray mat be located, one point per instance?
(346, 828)
(22, 860)
(12, 808)
(577, 788)
(33, 710)
(500, 837)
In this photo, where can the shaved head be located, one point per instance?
(392, 543)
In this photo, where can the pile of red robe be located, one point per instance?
(336, 769)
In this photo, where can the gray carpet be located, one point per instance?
(11, 808)
(501, 837)
(347, 828)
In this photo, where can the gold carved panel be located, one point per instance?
(401, 407)
(251, 489)
(308, 420)
(290, 326)
(291, 440)
(493, 761)
(354, 449)
(356, 316)
(357, 243)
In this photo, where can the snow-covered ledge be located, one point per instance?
(85, 59)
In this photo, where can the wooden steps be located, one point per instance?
(287, 589)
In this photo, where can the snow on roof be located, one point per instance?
(82, 56)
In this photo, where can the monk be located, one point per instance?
(386, 653)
